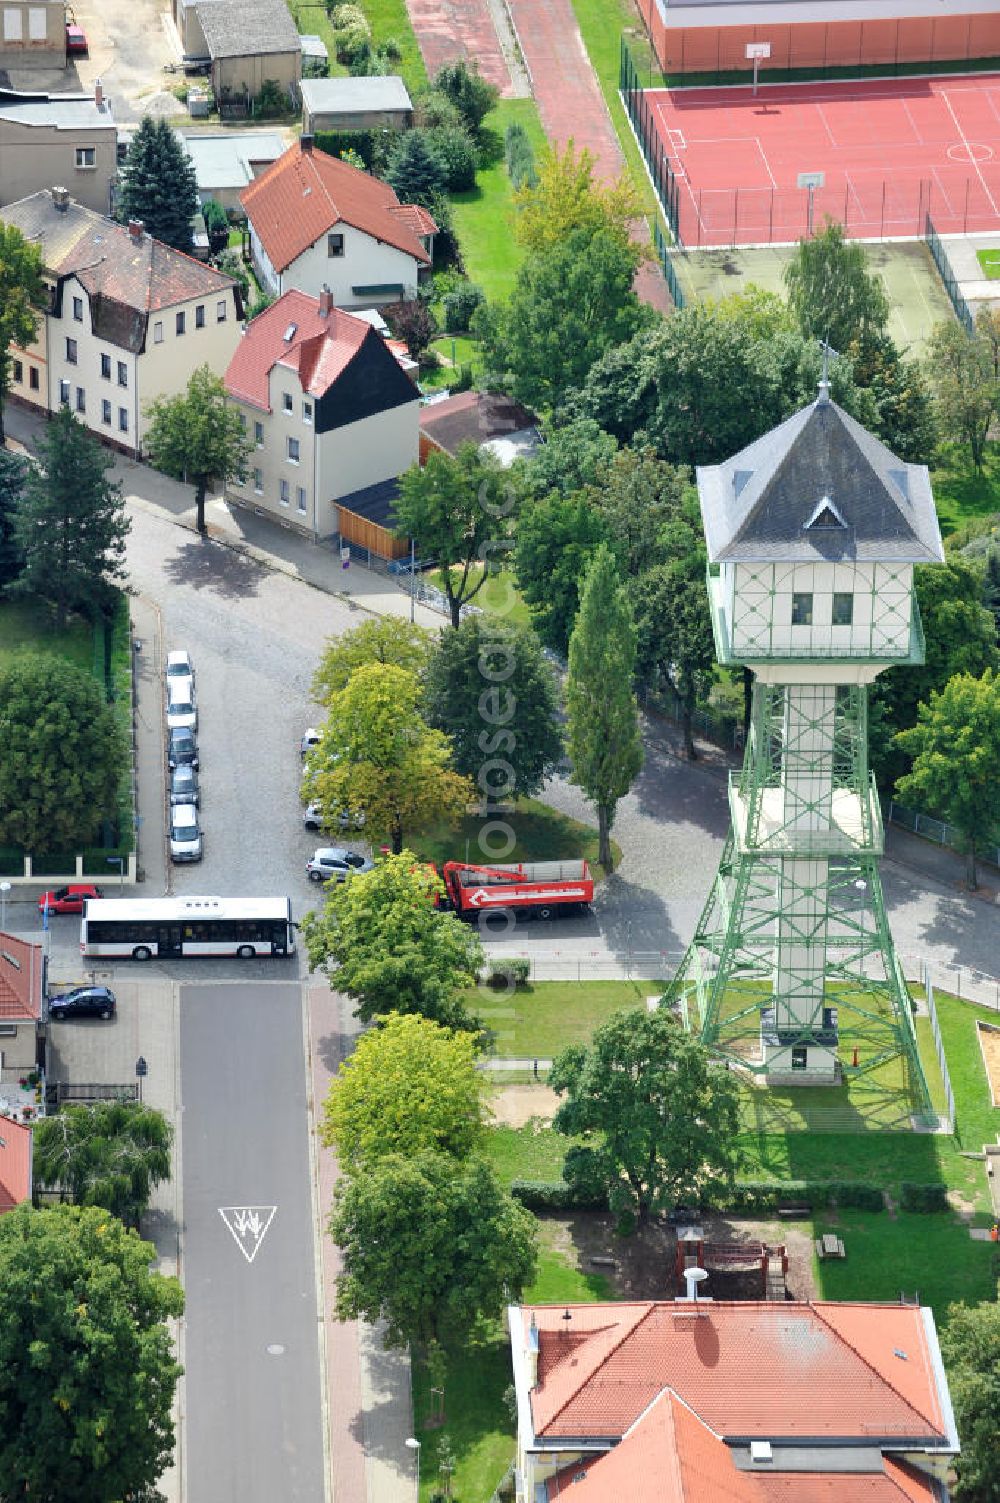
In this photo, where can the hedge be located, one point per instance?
(923, 1197)
(505, 974)
(519, 157)
(760, 1197)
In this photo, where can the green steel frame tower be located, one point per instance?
(812, 535)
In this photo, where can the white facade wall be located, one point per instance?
(365, 262)
(366, 452)
(757, 602)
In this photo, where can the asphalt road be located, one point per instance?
(252, 1401)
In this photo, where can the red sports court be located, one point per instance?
(891, 151)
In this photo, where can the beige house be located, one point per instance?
(58, 138)
(129, 319)
(32, 34)
(316, 221)
(247, 42)
(22, 985)
(328, 407)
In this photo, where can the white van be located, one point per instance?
(185, 833)
(182, 711)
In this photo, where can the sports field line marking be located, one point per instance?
(968, 147)
(917, 134)
(767, 165)
(852, 190)
(826, 126)
(944, 194)
(676, 138)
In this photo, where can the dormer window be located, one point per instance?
(825, 516)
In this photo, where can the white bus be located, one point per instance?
(139, 928)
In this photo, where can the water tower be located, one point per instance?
(812, 535)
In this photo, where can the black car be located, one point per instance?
(184, 785)
(83, 1002)
(182, 749)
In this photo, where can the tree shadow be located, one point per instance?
(205, 564)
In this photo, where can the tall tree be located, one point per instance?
(570, 304)
(378, 754)
(566, 198)
(659, 1120)
(490, 688)
(573, 455)
(960, 366)
(639, 497)
(831, 292)
(380, 639)
(22, 296)
(605, 744)
(382, 940)
(159, 184)
(471, 94)
(970, 1345)
(430, 1247)
(13, 478)
(112, 1154)
(414, 170)
(87, 1367)
(62, 754)
(409, 1085)
(557, 536)
(71, 524)
(955, 746)
(675, 633)
(459, 509)
(196, 436)
(907, 421)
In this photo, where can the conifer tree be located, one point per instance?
(159, 185)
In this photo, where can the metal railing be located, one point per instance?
(939, 831)
(667, 265)
(650, 141)
(943, 265)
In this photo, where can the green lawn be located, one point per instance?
(960, 494)
(313, 20)
(543, 834)
(390, 18)
(477, 1425)
(977, 1121)
(989, 260)
(932, 1255)
(538, 1021)
(529, 1152)
(482, 216)
(500, 595)
(26, 625)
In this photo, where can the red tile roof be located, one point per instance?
(767, 1370)
(305, 193)
(672, 1456)
(140, 273)
(15, 1163)
(20, 979)
(319, 350)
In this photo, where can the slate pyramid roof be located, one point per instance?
(819, 487)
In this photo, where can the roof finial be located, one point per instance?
(824, 385)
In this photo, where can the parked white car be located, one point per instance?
(185, 833)
(347, 819)
(182, 709)
(179, 664)
(336, 864)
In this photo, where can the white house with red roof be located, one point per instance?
(716, 1402)
(327, 405)
(22, 984)
(317, 222)
(129, 319)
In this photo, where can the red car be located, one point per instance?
(76, 41)
(68, 899)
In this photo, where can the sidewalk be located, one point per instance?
(368, 1412)
(265, 541)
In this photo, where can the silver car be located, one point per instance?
(336, 864)
(182, 708)
(185, 833)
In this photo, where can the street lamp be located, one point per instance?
(414, 1445)
(118, 861)
(141, 1071)
(4, 890)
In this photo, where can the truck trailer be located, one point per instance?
(539, 889)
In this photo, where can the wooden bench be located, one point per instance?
(829, 1246)
(794, 1213)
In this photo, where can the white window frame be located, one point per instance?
(221, 311)
(307, 412)
(287, 405)
(37, 23)
(86, 159)
(13, 30)
(158, 331)
(292, 450)
(64, 393)
(78, 310)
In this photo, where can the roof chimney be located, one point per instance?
(135, 229)
(99, 94)
(60, 197)
(325, 301)
(306, 142)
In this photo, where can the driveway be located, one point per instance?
(130, 42)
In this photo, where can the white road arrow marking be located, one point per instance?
(248, 1225)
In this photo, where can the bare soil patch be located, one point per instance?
(644, 1263)
(989, 1043)
(516, 1105)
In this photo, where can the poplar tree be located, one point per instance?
(605, 743)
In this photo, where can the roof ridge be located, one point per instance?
(871, 1366)
(642, 1318)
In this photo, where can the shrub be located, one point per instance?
(459, 306)
(456, 151)
(926, 1198)
(432, 108)
(763, 1197)
(412, 321)
(351, 33)
(857, 1195)
(467, 90)
(503, 974)
(519, 157)
(463, 381)
(555, 1195)
(231, 264)
(272, 100)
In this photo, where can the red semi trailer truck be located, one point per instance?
(541, 889)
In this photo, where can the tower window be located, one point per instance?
(843, 608)
(802, 610)
(799, 1057)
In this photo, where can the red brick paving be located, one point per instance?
(449, 29)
